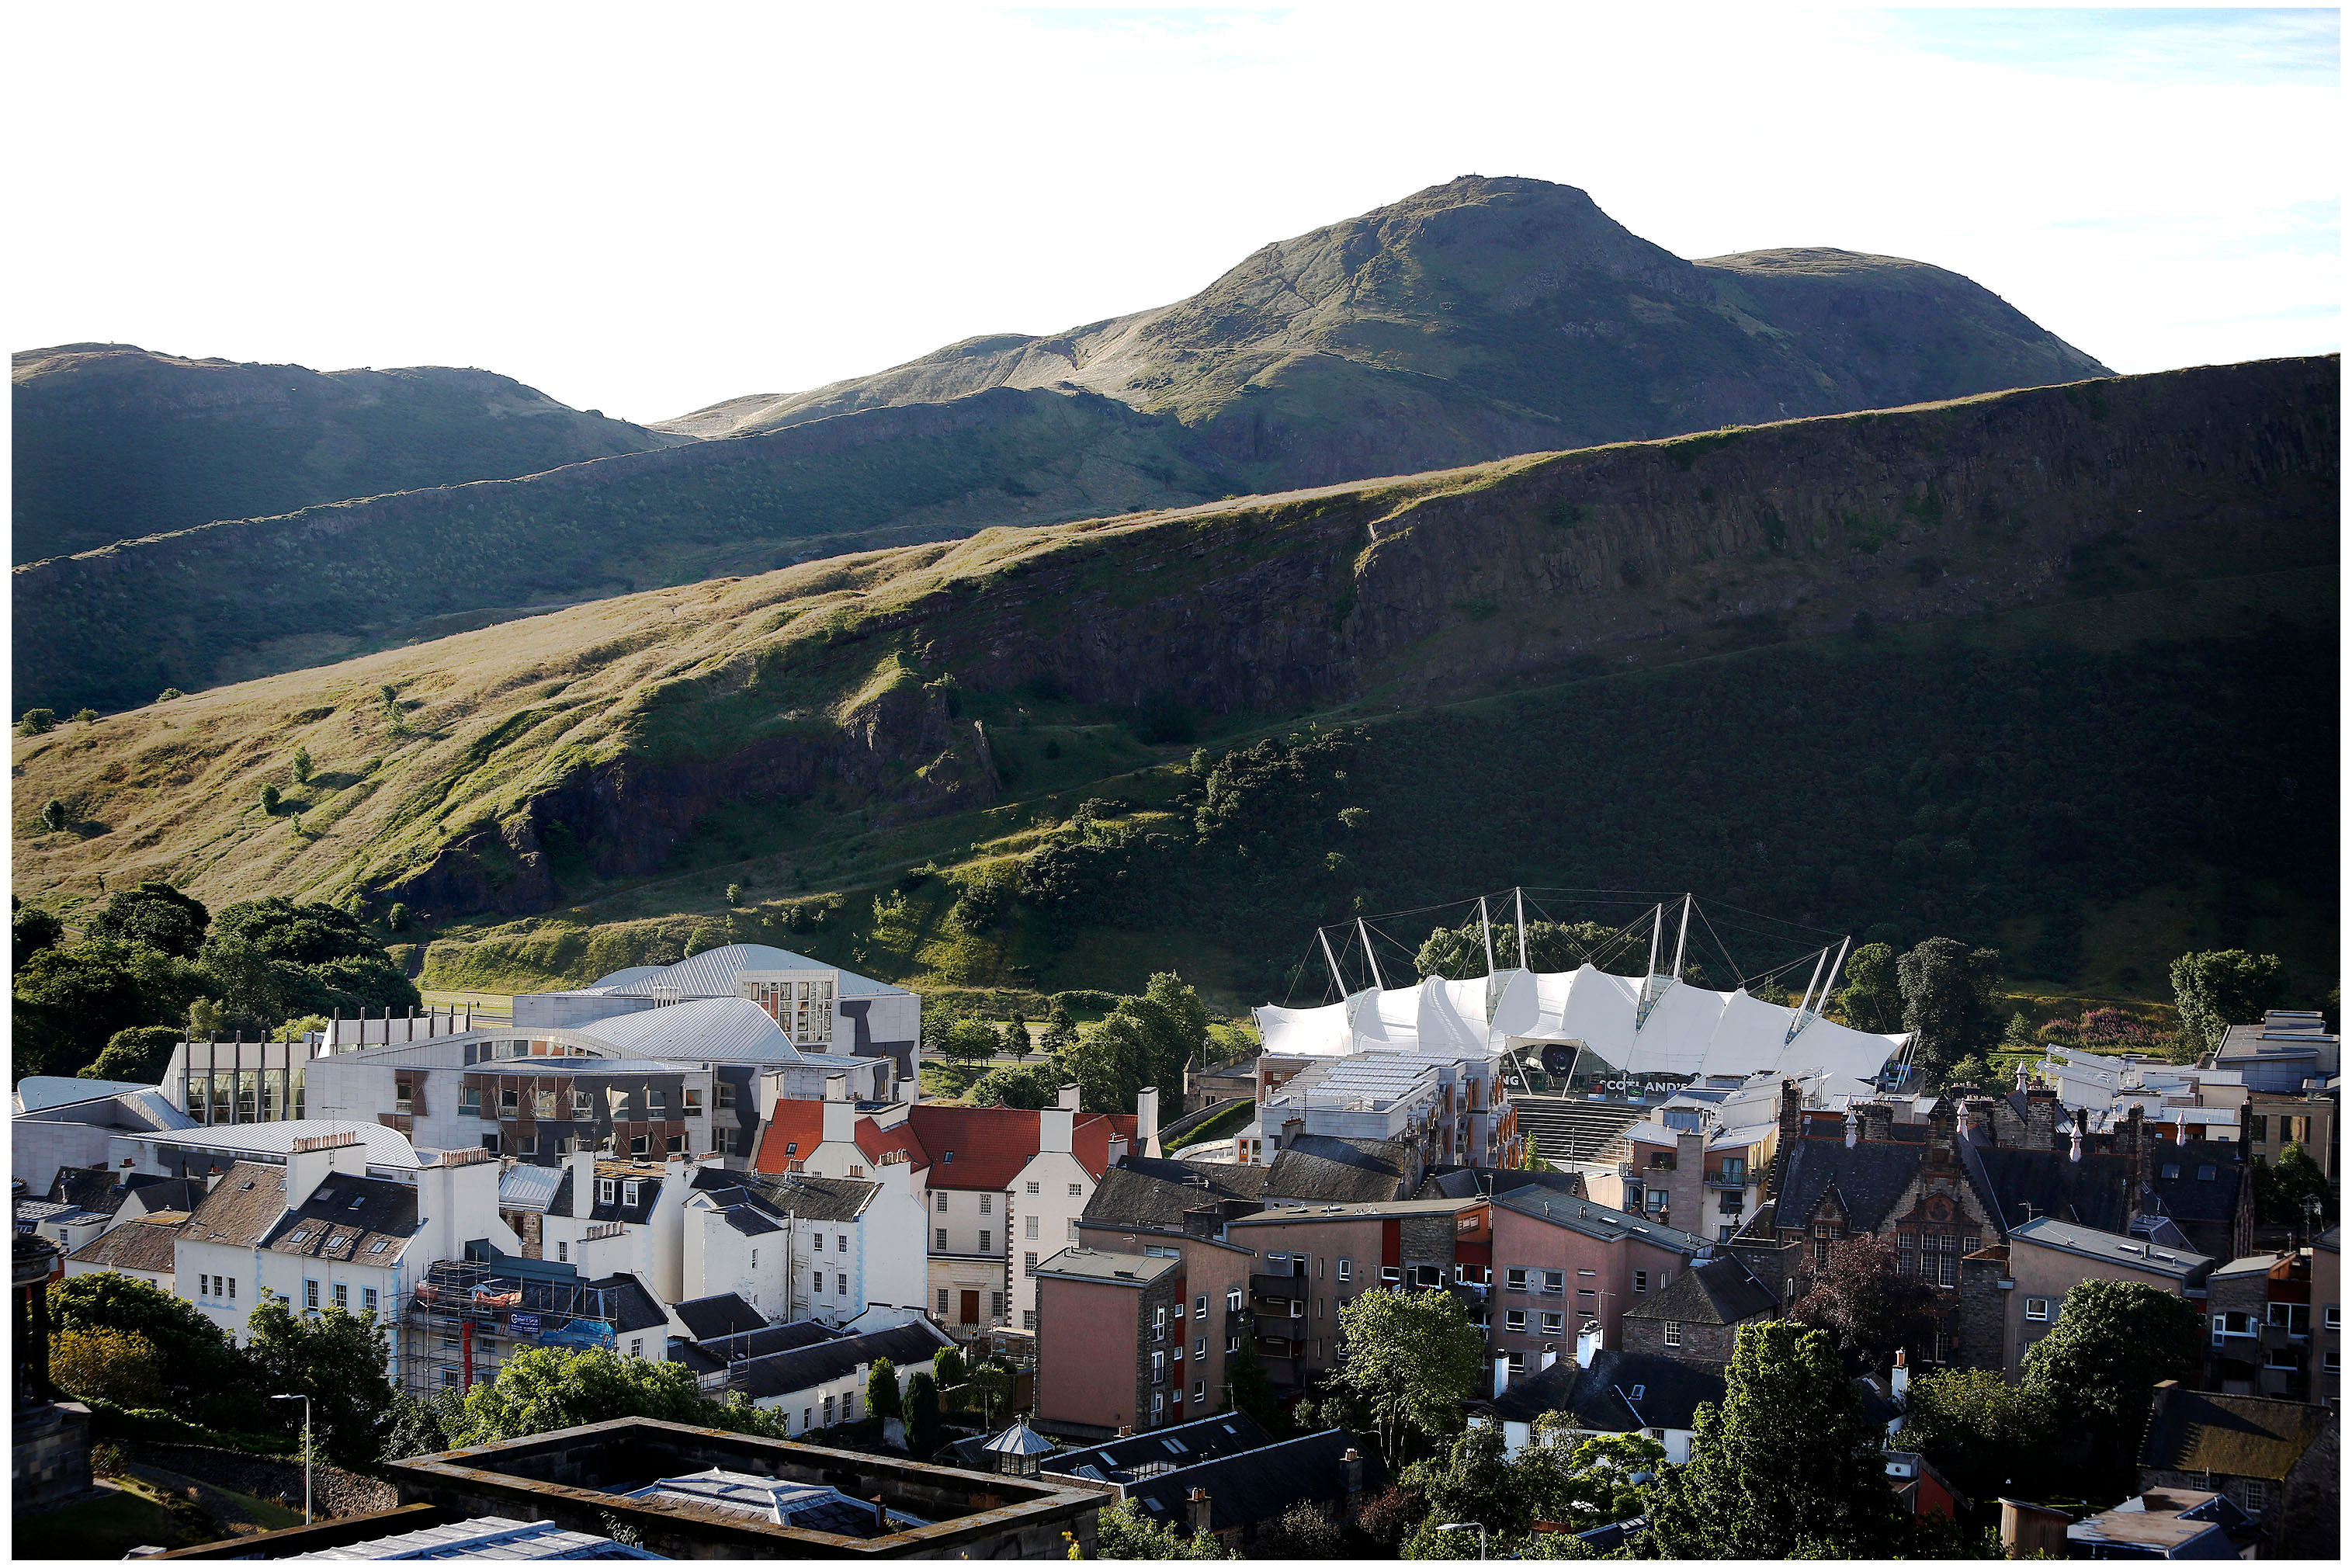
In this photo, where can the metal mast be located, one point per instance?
(1363, 931)
(1519, 899)
(1337, 979)
(1486, 933)
(1681, 936)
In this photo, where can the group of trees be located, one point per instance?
(1142, 1042)
(153, 966)
(122, 1340)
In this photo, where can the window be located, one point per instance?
(311, 1294)
(2283, 1360)
(1657, 1200)
(2293, 1316)
(1346, 1269)
(1554, 1281)
(542, 1104)
(940, 1244)
(403, 1097)
(637, 1347)
(490, 1142)
(983, 1241)
(943, 1201)
(1515, 1321)
(678, 1142)
(658, 1103)
(638, 1144)
(1029, 1228)
(1515, 1279)
(510, 1103)
(1640, 1281)
(1200, 1308)
(1391, 1275)
(343, 1297)
(944, 1294)
(1201, 1347)
(1907, 1252)
(1159, 1322)
(1232, 1301)
(828, 1409)
(816, 1240)
(367, 1299)
(1159, 1366)
(694, 1108)
(448, 1377)
(2334, 1319)
(1200, 1388)
(2262, 1128)
(1674, 1336)
(1029, 1321)
(2037, 1308)
(726, 1097)
(530, 1143)
(1551, 1325)
(1726, 1232)
(2233, 1325)
(582, 1109)
(2258, 1496)
(2331, 1362)
(1519, 1361)
(563, 1252)
(470, 1100)
(819, 1277)
(1074, 1190)
(2173, 1172)
(629, 1195)
(1028, 1263)
(841, 1284)
(985, 1198)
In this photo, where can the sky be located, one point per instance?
(647, 209)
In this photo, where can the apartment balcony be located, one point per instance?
(1289, 1331)
(1722, 1183)
(1279, 1286)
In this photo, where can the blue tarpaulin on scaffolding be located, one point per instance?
(580, 1332)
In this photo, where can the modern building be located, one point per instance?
(73, 1123)
(2269, 1337)
(1561, 1264)
(2048, 1257)
(2286, 1053)
(822, 1009)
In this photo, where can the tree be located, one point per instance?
(124, 1368)
(1984, 1433)
(947, 1368)
(1968, 1070)
(1061, 1031)
(87, 716)
(1787, 1465)
(989, 1386)
(1948, 998)
(338, 1358)
(922, 1416)
(1868, 1306)
(427, 1426)
(269, 799)
(2282, 1185)
(1872, 998)
(1459, 952)
(2214, 990)
(882, 1390)
(54, 816)
(37, 722)
(1124, 1533)
(86, 993)
(301, 764)
(1249, 1390)
(1413, 1359)
(1303, 1532)
(2101, 1361)
(968, 1040)
(32, 930)
(541, 1390)
(135, 1056)
(1015, 1039)
(1475, 1481)
(205, 1378)
(156, 915)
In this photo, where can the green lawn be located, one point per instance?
(1223, 1125)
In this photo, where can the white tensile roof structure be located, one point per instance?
(1686, 1030)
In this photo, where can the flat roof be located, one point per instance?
(2132, 1252)
(1105, 1267)
(1398, 1209)
(384, 1146)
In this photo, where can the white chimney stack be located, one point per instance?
(1069, 1101)
(1502, 1373)
(1587, 1344)
(314, 1159)
(1852, 1128)
(840, 1124)
(1550, 1358)
(583, 1165)
(1146, 1122)
(1900, 1379)
(2074, 1152)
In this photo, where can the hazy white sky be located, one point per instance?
(645, 208)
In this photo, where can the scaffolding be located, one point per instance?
(467, 1316)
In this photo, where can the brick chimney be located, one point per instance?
(2135, 1152)
(1877, 1121)
(1352, 1470)
(2041, 1118)
(1943, 1130)
(1203, 1515)
(1792, 1127)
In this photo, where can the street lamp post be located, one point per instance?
(1473, 1525)
(306, 1451)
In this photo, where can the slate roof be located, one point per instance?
(716, 1317)
(716, 1354)
(1671, 1392)
(2230, 1433)
(1870, 1178)
(2130, 1252)
(789, 1371)
(1597, 1220)
(1244, 1489)
(632, 1306)
(1720, 1290)
(360, 1220)
(1471, 1181)
(150, 1246)
(90, 1187)
(1191, 1443)
(1319, 1170)
(242, 1206)
(649, 1178)
(1153, 1194)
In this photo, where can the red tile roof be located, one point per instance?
(795, 1122)
(976, 1148)
(874, 1142)
(1090, 1139)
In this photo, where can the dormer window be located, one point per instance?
(629, 1195)
(605, 1187)
(379, 1246)
(2171, 1172)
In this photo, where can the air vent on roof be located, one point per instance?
(246, 1187)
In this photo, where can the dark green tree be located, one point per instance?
(269, 798)
(82, 995)
(2100, 1362)
(540, 1390)
(968, 1040)
(1061, 1031)
(1249, 1390)
(1459, 952)
(1302, 1533)
(922, 1416)
(1948, 999)
(1983, 1432)
(2283, 1185)
(947, 1368)
(414, 1426)
(156, 915)
(32, 931)
(1789, 1464)
(882, 1390)
(2215, 990)
(1872, 998)
(1868, 1306)
(1014, 1040)
(37, 722)
(1412, 1359)
(206, 1380)
(136, 1055)
(301, 764)
(338, 1358)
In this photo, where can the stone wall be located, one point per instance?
(50, 1461)
(1980, 1313)
(1702, 1345)
(333, 1491)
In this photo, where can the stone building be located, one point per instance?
(2275, 1458)
(1695, 1317)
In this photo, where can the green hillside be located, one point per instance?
(114, 442)
(2023, 666)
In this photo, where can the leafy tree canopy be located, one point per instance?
(156, 914)
(882, 1389)
(32, 929)
(2100, 1362)
(2215, 990)
(1787, 1465)
(1410, 1359)
(1459, 952)
(1983, 1431)
(78, 997)
(2283, 1185)
(335, 1357)
(1948, 999)
(205, 1378)
(1124, 1533)
(1868, 1306)
(121, 1368)
(136, 1055)
(1872, 998)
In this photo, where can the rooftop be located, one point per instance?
(2083, 1241)
(1105, 1267)
(506, 1539)
(713, 973)
(803, 1505)
(149, 1245)
(1161, 1449)
(275, 1139)
(1597, 1220)
(2230, 1433)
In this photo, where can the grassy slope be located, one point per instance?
(492, 718)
